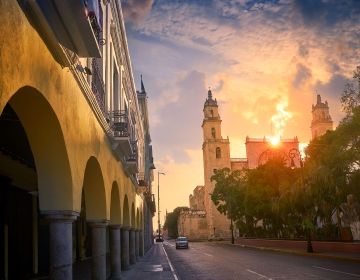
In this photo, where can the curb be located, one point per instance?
(299, 253)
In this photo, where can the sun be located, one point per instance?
(275, 140)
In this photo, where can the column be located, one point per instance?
(35, 236)
(125, 255)
(141, 244)
(60, 230)
(98, 249)
(115, 251)
(137, 244)
(132, 246)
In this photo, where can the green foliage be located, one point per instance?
(261, 195)
(350, 99)
(276, 201)
(171, 221)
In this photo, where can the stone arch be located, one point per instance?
(94, 191)
(133, 221)
(115, 207)
(46, 140)
(126, 214)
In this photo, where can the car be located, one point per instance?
(182, 242)
(159, 239)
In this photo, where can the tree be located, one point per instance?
(333, 160)
(350, 98)
(228, 194)
(171, 221)
(266, 200)
(249, 197)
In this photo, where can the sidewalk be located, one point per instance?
(154, 265)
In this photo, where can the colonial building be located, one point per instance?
(75, 148)
(321, 119)
(216, 155)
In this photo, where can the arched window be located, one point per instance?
(218, 152)
(213, 132)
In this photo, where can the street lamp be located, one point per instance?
(292, 154)
(162, 173)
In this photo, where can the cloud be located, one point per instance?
(253, 56)
(327, 13)
(179, 181)
(334, 87)
(303, 50)
(178, 123)
(302, 76)
(136, 10)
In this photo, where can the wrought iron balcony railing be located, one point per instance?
(97, 85)
(95, 14)
(134, 149)
(120, 123)
(142, 179)
(132, 160)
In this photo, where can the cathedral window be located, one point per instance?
(213, 132)
(218, 152)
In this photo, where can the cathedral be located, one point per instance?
(203, 220)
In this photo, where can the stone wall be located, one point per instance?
(193, 225)
(196, 200)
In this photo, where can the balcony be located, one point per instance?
(75, 24)
(142, 180)
(142, 183)
(132, 161)
(97, 85)
(120, 132)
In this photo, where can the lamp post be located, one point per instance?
(292, 154)
(162, 173)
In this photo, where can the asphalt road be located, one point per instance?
(210, 261)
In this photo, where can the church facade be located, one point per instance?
(216, 155)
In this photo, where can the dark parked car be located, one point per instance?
(159, 238)
(182, 242)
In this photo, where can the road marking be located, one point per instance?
(171, 267)
(338, 271)
(208, 254)
(258, 274)
(167, 243)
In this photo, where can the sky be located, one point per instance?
(264, 61)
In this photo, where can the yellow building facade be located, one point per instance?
(75, 157)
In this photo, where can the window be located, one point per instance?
(213, 132)
(214, 170)
(218, 152)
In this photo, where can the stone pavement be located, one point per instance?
(153, 265)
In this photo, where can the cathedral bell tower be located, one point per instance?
(216, 155)
(321, 119)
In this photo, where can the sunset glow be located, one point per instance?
(275, 140)
(264, 66)
(279, 121)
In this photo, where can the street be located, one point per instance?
(207, 260)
